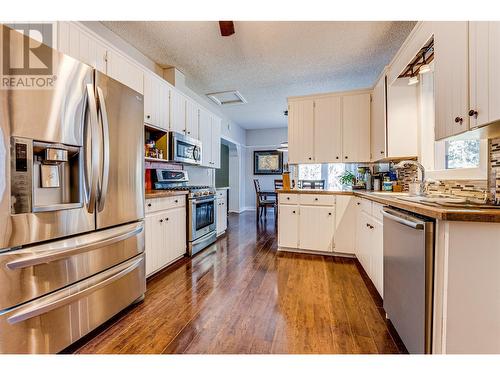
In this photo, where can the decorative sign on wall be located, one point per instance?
(267, 162)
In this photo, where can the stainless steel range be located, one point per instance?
(201, 207)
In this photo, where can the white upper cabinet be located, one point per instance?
(215, 141)
(82, 46)
(125, 71)
(484, 73)
(451, 77)
(356, 128)
(378, 121)
(300, 131)
(209, 135)
(205, 135)
(328, 129)
(156, 101)
(192, 119)
(178, 112)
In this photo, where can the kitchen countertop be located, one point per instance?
(388, 198)
(149, 194)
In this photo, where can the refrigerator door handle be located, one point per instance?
(103, 191)
(37, 310)
(91, 185)
(67, 250)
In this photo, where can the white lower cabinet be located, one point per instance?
(308, 225)
(165, 237)
(370, 244)
(221, 211)
(288, 226)
(316, 228)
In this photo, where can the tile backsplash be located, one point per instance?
(476, 189)
(494, 169)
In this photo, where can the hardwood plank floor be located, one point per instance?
(242, 296)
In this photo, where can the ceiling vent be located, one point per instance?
(227, 97)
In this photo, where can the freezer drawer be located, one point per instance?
(34, 271)
(51, 323)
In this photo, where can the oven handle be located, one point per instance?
(205, 200)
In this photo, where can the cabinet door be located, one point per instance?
(345, 224)
(221, 216)
(301, 131)
(178, 112)
(163, 103)
(153, 242)
(215, 141)
(78, 44)
(328, 130)
(451, 77)
(378, 124)
(356, 128)
(364, 244)
(288, 226)
(377, 256)
(150, 98)
(175, 220)
(484, 72)
(205, 136)
(124, 71)
(316, 228)
(192, 119)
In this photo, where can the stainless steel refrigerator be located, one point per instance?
(71, 207)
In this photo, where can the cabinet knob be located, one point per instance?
(346, 157)
(382, 152)
(473, 112)
(336, 157)
(310, 158)
(148, 116)
(293, 212)
(329, 214)
(166, 219)
(459, 120)
(288, 198)
(367, 225)
(176, 201)
(149, 204)
(315, 199)
(161, 220)
(358, 203)
(189, 132)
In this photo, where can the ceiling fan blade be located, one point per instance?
(226, 28)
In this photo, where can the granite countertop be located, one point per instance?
(149, 194)
(436, 212)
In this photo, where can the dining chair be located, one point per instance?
(262, 201)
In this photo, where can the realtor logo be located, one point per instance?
(27, 56)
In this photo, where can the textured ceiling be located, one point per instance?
(269, 61)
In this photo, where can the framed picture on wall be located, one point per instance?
(267, 162)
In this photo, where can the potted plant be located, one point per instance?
(347, 179)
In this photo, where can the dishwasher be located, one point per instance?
(408, 277)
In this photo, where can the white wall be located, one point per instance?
(261, 139)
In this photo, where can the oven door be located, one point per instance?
(202, 216)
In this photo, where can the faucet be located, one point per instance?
(407, 163)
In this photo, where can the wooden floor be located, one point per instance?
(242, 296)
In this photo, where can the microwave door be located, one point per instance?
(121, 141)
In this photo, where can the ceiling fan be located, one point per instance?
(226, 28)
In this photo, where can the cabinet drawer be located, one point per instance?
(288, 198)
(377, 211)
(157, 204)
(366, 206)
(317, 199)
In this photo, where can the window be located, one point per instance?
(328, 172)
(462, 154)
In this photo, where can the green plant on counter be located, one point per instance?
(347, 178)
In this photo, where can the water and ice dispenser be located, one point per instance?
(45, 176)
